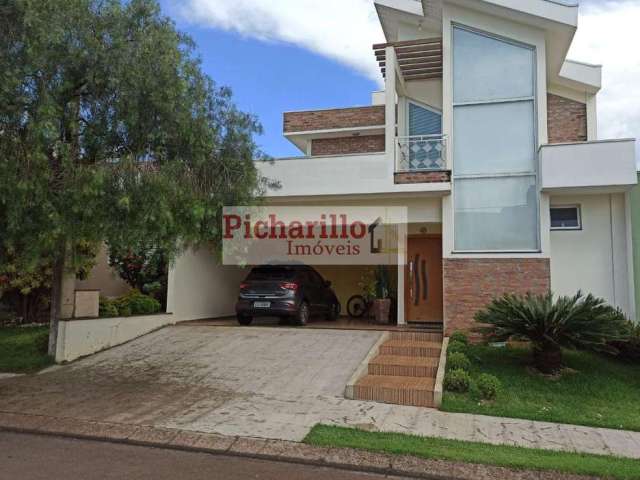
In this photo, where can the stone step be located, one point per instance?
(417, 336)
(410, 348)
(403, 366)
(397, 390)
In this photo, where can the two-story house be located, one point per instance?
(488, 134)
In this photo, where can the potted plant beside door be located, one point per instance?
(382, 302)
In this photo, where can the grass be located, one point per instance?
(472, 452)
(600, 392)
(23, 350)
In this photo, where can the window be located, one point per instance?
(566, 217)
(424, 121)
(494, 144)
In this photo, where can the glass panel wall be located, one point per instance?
(494, 135)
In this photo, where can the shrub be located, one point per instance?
(488, 386)
(628, 348)
(457, 381)
(107, 308)
(455, 347)
(550, 324)
(459, 337)
(458, 361)
(136, 303)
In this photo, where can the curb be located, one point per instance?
(264, 449)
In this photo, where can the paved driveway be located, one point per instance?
(273, 383)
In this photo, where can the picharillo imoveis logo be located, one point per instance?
(317, 235)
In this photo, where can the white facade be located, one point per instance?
(596, 175)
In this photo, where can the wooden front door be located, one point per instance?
(423, 280)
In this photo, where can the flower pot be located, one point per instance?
(381, 309)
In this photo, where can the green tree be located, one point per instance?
(109, 131)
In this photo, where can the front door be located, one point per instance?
(423, 280)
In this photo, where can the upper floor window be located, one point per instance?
(423, 120)
(494, 138)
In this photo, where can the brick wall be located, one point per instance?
(334, 118)
(423, 177)
(470, 283)
(345, 145)
(566, 120)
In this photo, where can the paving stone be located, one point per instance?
(587, 440)
(153, 435)
(248, 446)
(198, 440)
(358, 458)
(66, 426)
(20, 421)
(107, 430)
(622, 443)
(295, 451)
(419, 466)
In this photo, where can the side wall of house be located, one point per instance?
(199, 287)
(595, 258)
(634, 214)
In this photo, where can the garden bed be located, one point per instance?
(24, 349)
(594, 390)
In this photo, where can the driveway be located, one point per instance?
(261, 382)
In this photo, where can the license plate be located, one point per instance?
(261, 304)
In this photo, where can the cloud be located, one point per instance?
(608, 34)
(342, 30)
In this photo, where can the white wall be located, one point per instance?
(199, 287)
(339, 175)
(593, 259)
(78, 338)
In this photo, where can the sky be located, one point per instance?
(287, 55)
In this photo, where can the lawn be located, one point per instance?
(23, 350)
(478, 453)
(599, 391)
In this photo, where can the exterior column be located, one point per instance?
(390, 109)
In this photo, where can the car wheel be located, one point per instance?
(303, 314)
(334, 312)
(244, 320)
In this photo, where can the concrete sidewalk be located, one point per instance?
(509, 431)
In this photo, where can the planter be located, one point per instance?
(381, 309)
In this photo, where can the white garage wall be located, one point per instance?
(199, 287)
(593, 259)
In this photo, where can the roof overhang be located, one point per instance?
(583, 77)
(303, 139)
(393, 13)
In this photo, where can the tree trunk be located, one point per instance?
(548, 358)
(56, 301)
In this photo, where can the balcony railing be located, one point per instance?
(421, 153)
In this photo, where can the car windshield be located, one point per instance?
(271, 273)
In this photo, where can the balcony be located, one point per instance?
(421, 159)
(605, 166)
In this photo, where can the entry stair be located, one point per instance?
(402, 372)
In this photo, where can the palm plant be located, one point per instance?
(551, 324)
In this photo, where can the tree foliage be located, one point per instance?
(550, 324)
(109, 131)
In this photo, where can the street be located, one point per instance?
(35, 457)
